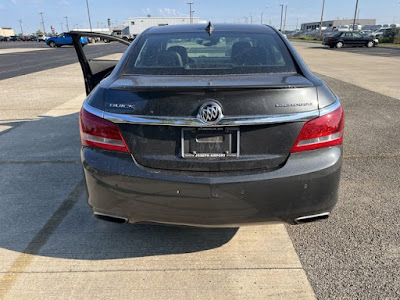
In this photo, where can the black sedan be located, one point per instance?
(218, 125)
(350, 39)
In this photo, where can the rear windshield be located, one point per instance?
(204, 54)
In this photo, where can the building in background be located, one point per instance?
(135, 26)
(336, 23)
(6, 31)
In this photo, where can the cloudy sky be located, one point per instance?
(54, 11)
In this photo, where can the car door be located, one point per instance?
(348, 38)
(358, 39)
(67, 39)
(96, 69)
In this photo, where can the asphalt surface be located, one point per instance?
(375, 51)
(17, 64)
(355, 254)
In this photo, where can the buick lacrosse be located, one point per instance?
(209, 125)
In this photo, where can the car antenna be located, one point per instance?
(209, 28)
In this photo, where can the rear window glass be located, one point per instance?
(204, 54)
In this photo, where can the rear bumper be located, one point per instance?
(306, 185)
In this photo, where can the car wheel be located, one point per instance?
(52, 44)
(370, 44)
(106, 41)
(339, 44)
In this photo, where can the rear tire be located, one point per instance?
(370, 44)
(52, 44)
(339, 45)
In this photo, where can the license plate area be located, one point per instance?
(210, 142)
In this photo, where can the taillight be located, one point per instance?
(100, 133)
(325, 131)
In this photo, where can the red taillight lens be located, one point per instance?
(325, 131)
(100, 133)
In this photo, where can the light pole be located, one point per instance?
(88, 12)
(280, 27)
(62, 27)
(190, 11)
(44, 29)
(284, 22)
(66, 21)
(20, 25)
(322, 17)
(262, 14)
(355, 15)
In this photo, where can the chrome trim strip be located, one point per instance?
(92, 110)
(225, 122)
(325, 214)
(330, 108)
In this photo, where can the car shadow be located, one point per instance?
(44, 210)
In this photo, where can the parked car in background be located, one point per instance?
(15, 38)
(64, 39)
(26, 38)
(349, 39)
(235, 131)
(382, 32)
(41, 38)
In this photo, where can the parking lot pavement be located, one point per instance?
(51, 245)
(356, 253)
(376, 73)
(19, 61)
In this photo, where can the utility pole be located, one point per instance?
(20, 25)
(262, 17)
(297, 23)
(284, 22)
(66, 20)
(88, 12)
(355, 15)
(62, 27)
(322, 18)
(190, 11)
(280, 27)
(44, 29)
(251, 19)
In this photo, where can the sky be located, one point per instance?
(298, 11)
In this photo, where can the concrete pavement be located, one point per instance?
(52, 247)
(375, 73)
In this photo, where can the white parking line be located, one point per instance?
(20, 50)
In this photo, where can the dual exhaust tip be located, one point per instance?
(299, 220)
(110, 218)
(311, 218)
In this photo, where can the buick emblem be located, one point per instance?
(210, 112)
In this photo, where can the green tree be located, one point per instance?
(39, 32)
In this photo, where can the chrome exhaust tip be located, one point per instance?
(312, 218)
(110, 218)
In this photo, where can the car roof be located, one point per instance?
(216, 28)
